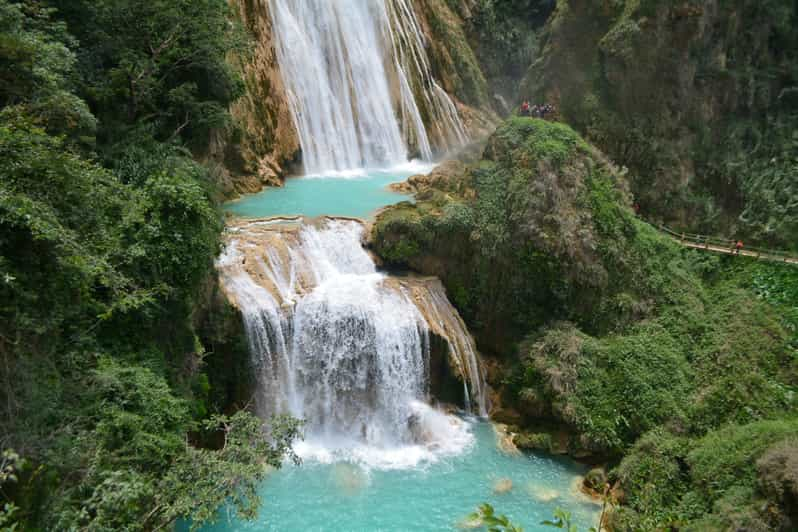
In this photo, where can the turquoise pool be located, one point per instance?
(412, 488)
(357, 194)
(432, 496)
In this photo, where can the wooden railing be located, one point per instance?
(721, 245)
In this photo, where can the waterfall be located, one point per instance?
(336, 342)
(358, 82)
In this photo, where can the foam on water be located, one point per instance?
(407, 168)
(440, 435)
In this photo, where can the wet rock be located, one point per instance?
(503, 485)
(447, 176)
(506, 415)
(504, 439)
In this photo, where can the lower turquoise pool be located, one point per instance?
(433, 496)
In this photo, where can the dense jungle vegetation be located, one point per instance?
(108, 230)
(699, 99)
(676, 368)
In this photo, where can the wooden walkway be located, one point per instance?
(719, 245)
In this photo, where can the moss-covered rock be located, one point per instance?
(517, 237)
(535, 441)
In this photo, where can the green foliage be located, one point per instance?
(655, 478)
(766, 180)
(162, 63)
(562, 520)
(10, 464)
(487, 518)
(717, 482)
(139, 472)
(621, 393)
(104, 265)
(57, 214)
(727, 457)
(37, 65)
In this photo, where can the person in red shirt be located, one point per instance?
(525, 108)
(738, 246)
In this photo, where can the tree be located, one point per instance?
(161, 62)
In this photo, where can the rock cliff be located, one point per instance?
(697, 99)
(259, 149)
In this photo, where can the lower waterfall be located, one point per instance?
(343, 346)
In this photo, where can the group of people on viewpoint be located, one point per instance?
(537, 111)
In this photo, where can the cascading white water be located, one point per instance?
(358, 79)
(339, 344)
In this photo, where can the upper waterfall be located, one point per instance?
(342, 345)
(358, 82)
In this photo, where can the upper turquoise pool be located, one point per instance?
(356, 194)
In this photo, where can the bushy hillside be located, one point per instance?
(611, 339)
(698, 99)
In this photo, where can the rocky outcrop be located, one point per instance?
(507, 235)
(446, 177)
(259, 149)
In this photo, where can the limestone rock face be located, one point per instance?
(265, 143)
(453, 60)
(269, 133)
(447, 176)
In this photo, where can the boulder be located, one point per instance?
(503, 485)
